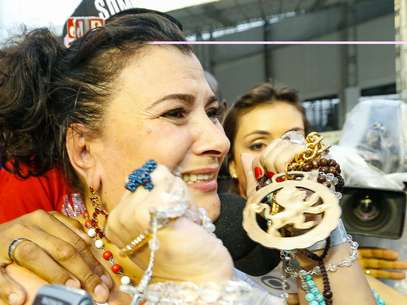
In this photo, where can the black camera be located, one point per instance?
(373, 212)
(61, 295)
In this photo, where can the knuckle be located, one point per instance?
(17, 228)
(80, 245)
(64, 252)
(39, 215)
(59, 277)
(90, 280)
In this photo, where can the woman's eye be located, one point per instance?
(216, 113)
(257, 146)
(178, 113)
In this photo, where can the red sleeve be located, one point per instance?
(22, 196)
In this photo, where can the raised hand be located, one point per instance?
(187, 251)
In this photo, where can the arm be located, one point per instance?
(348, 284)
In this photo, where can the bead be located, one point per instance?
(314, 290)
(107, 255)
(307, 167)
(324, 169)
(308, 277)
(91, 232)
(313, 303)
(125, 280)
(338, 168)
(116, 268)
(332, 170)
(88, 224)
(323, 162)
(315, 164)
(319, 297)
(321, 179)
(332, 162)
(309, 297)
(328, 294)
(99, 243)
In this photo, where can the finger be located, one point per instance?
(69, 222)
(66, 230)
(84, 249)
(277, 159)
(387, 254)
(30, 256)
(62, 254)
(391, 275)
(248, 162)
(382, 264)
(10, 292)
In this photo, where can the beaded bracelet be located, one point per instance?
(293, 269)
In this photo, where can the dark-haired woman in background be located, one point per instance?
(266, 113)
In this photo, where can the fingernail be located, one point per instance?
(73, 283)
(101, 293)
(107, 280)
(15, 298)
(258, 173)
(269, 174)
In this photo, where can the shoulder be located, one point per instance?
(20, 196)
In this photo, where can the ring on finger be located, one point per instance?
(13, 246)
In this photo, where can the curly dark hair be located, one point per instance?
(46, 87)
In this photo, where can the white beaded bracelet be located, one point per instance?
(188, 293)
(347, 262)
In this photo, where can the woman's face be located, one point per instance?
(162, 108)
(257, 127)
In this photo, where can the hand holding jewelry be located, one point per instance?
(299, 209)
(161, 217)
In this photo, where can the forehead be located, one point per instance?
(274, 117)
(159, 70)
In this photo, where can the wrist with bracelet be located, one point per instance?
(312, 165)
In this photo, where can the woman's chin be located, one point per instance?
(208, 200)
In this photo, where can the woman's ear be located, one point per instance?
(232, 169)
(81, 148)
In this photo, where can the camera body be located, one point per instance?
(61, 295)
(373, 212)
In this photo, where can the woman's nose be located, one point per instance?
(212, 140)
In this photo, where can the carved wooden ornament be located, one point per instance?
(296, 198)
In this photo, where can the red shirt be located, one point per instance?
(21, 196)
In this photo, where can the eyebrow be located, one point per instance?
(258, 132)
(188, 98)
(266, 133)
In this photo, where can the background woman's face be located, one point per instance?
(257, 127)
(163, 109)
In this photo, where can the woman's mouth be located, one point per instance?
(204, 182)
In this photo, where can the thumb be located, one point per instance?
(248, 161)
(10, 291)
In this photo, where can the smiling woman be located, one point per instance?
(135, 128)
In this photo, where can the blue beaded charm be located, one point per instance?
(141, 177)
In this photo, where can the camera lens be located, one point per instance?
(366, 214)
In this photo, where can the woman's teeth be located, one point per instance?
(197, 178)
